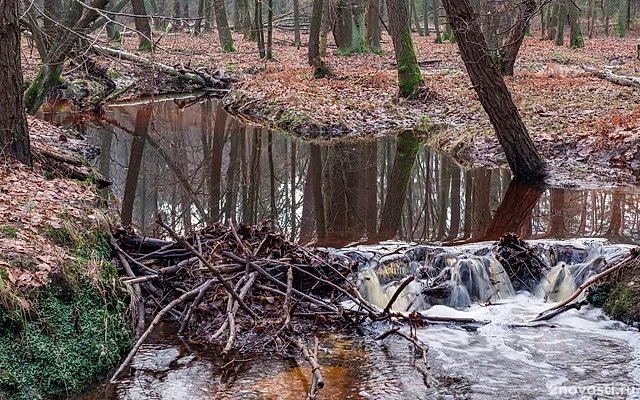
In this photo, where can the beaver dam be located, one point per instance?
(363, 270)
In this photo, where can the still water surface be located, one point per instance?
(196, 164)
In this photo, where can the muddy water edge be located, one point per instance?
(197, 164)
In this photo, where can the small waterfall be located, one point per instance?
(558, 285)
(459, 277)
(379, 295)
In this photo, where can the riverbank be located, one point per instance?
(585, 126)
(63, 310)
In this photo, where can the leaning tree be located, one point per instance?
(14, 134)
(524, 160)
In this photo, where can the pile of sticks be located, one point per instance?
(243, 288)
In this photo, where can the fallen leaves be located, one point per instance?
(30, 205)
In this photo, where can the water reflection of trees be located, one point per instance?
(201, 165)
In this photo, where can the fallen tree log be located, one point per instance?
(622, 80)
(199, 77)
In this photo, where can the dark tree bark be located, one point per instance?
(14, 134)
(409, 75)
(527, 9)
(314, 32)
(523, 158)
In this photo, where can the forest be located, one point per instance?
(322, 199)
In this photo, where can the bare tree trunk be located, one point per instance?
(198, 25)
(296, 23)
(270, 29)
(142, 25)
(515, 209)
(516, 36)
(552, 21)
(562, 21)
(416, 21)
(325, 27)
(436, 20)
(14, 134)
(259, 28)
(409, 75)
(373, 26)
(314, 33)
(523, 158)
(425, 17)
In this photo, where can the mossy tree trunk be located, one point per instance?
(142, 25)
(77, 22)
(224, 33)
(14, 134)
(576, 40)
(373, 26)
(409, 76)
(349, 29)
(523, 158)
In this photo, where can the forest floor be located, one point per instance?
(588, 128)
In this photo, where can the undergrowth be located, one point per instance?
(73, 330)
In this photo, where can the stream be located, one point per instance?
(367, 200)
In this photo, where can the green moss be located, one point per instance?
(9, 232)
(409, 75)
(74, 340)
(145, 45)
(623, 303)
(75, 330)
(41, 86)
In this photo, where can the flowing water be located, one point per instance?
(196, 163)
